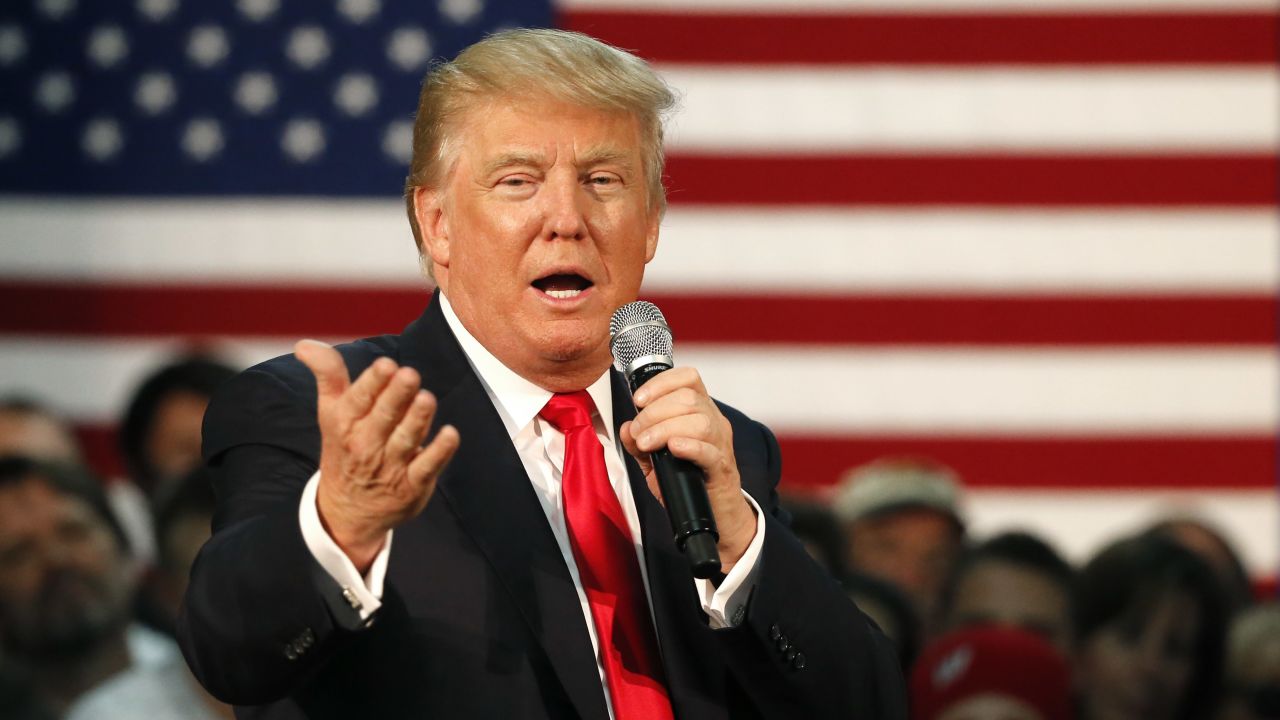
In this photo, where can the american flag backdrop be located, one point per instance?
(1036, 240)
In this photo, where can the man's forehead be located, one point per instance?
(34, 498)
(550, 154)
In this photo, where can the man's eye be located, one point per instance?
(603, 180)
(513, 182)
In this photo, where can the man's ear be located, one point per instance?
(428, 210)
(651, 235)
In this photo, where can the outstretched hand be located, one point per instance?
(375, 472)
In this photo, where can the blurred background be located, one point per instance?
(1033, 244)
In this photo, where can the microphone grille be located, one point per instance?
(638, 329)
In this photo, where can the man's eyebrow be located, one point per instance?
(514, 159)
(602, 156)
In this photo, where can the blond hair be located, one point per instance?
(566, 66)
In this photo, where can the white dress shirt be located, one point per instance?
(541, 450)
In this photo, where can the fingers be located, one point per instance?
(695, 426)
(701, 453)
(432, 459)
(681, 401)
(364, 392)
(389, 408)
(412, 430)
(667, 382)
(629, 442)
(642, 459)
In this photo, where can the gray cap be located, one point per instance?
(898, 483)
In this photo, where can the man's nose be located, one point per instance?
(565, 207)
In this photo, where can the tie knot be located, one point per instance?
(567, 411)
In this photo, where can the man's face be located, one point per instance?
(913, 548)
(1002, 593)
(64, 583)
(173, 443)
(541, 232)
(38, 436)
(1140, 665)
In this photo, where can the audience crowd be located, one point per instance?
(1159, 625)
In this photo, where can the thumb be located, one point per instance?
(327, 365)
(642, 459)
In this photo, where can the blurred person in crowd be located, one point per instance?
(892, 612)
(1149, 624)
(991, 673)
(818, 530)
(902, 524)
(1014, 579)
(65, 583)
(166, 689)
(29, 428)
(1207, 541)
(1253, 665)
(160, 433)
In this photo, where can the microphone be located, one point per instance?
(641, 344)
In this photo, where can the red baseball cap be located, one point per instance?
(991, 660)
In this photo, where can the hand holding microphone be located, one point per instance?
(682, 442)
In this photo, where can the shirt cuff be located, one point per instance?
(364, 594)
(726, 606)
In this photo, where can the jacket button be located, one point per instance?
(799, 661)
(307, 639)
(775, 632)
(291, 652)
(791, 654)
(783, 644)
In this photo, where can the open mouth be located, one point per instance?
(563, 286)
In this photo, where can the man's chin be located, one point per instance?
(574, 346)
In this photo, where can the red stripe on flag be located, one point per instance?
(128, 310)
(921, 39)
(976, 180)
(1035, 463)
(968, 320)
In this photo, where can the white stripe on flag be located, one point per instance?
(741, 249)
(1079, 523)
(779, 110)
(823, 390)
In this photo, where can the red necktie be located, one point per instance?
(606, 557)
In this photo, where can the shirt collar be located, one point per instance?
(517, 399)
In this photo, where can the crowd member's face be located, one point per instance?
(64, 583)
(36, 436)
(542, 231)
(173, 442)
(911, 548)
(991, 706)
(1002, 593)
(1139, 668)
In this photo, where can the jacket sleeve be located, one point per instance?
(804, 648)
(260, 614)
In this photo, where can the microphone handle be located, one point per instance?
(684, 492)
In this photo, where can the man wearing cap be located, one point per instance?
(902, 523)
(518, 565)
(989, 672)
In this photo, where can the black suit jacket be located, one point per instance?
(480, 618)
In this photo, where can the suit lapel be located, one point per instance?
(696, 688)
(487, 487)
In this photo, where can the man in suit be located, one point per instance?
(519, 564)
